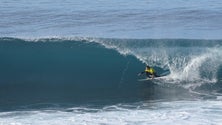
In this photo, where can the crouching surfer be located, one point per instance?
(150, 72)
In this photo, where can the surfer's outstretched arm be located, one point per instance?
(141, 73)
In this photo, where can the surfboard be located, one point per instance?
(150, 79)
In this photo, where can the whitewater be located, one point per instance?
(76, 62)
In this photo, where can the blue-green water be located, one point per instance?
(59, 74)
(76, 62)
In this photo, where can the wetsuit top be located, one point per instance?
(151, 70)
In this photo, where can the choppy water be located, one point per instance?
(122, 19)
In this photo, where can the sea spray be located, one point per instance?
(189, 61)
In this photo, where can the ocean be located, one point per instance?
(77, 62)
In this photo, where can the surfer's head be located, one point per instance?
(147, 66)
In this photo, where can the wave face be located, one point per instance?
(95, 70)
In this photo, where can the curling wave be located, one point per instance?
(76, 69)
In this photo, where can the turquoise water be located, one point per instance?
(68, 77)
(76, 62)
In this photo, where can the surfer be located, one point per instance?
(150, 72)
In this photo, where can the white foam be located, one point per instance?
(56, 38)
(198, 66)
(163, 113)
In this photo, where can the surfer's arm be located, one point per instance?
(141, 73)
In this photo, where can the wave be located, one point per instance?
(187, 60)
(80, 68)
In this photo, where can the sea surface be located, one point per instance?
(75, 62)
